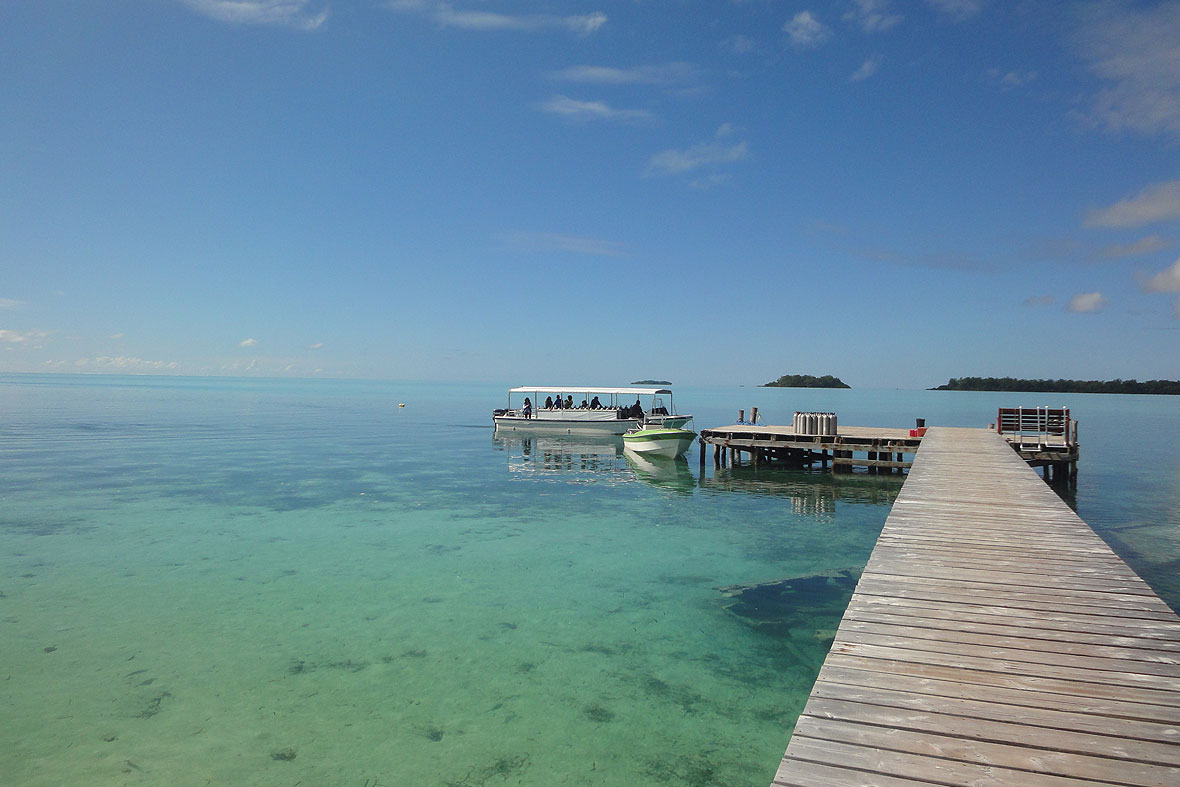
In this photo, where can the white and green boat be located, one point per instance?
(654, 439)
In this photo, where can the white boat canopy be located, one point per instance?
(550, 389)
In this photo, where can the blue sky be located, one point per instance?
(702, 191)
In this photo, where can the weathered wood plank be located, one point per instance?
(1080, 707)
(861, 760)
(1022, 759)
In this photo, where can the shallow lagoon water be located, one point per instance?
(268, 582)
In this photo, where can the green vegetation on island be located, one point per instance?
(651, 382)
(807, 381)
(1061, 386)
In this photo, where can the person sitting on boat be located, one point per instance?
(557, 403)
(569, 402)
(548, 402)
(583, 405)
(595, 404)
(528, 408)
(637, 409)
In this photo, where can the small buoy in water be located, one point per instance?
(401, 404)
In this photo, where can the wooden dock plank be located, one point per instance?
(993, 638)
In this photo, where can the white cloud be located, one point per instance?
(10, 303)
(805, 31)
(1135, 51)
(714, 153)
(662, 74)
(115, 336)
(575, 110)
(957, 9)
(1167, 280)
(1086, 302)
(554, 241)
(447, 16)
(1158, 202)
(1145, 245)
(873, 16)
(247, 342)
(316, 346)
(866, 70)
(288, 13)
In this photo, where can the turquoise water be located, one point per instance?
(281, 582)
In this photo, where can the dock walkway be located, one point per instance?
(993, 639)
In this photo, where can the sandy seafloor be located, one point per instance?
(269, 582)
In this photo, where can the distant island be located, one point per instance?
(1061, 386)
(807, 381)
(651, 382)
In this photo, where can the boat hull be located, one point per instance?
(669, 443)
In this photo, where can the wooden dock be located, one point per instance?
(993, 639)
(880, 449)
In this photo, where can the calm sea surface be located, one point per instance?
(212, 581)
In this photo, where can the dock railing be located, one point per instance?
(1036, 426)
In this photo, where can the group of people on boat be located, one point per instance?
(634, 411)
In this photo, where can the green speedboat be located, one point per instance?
(655, 440)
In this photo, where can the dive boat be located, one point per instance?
(583, 410)
(659, 440)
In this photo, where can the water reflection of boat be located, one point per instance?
(573, 455)
(662, 471)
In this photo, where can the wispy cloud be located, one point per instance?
(957, 9)
(316, 346)
(10, 303)
(866, 70)
(1135, 51)
(448, 16)
(1086, 302)
(708, 154)
(739, 44)
(21, 337)
(805, 31)
(1167, 280)
(1148, 244)
(124, 363)
(581, 111)
(872, 16)
(1008, 80)
(939, 260)
(288, 13)
(676, 73)
(554, 241)
(248, 342)
(1158, 202)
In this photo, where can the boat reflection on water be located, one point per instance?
(663, 472)
(576, 458)
(588, 458)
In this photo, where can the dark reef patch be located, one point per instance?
(808, 607)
